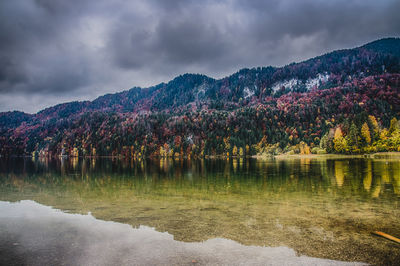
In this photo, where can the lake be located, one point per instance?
(187, 212)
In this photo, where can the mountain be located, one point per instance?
(324, 104)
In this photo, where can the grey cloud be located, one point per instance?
(34, 53)
(81, 48)
(250, 33)
(187, 41)
(172, 42)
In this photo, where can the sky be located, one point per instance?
(54, 51)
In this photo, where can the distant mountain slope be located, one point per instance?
(385, 46)
(13, 119)
(150, 119)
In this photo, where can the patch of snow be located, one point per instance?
(286, 83)
(190, 139)
(310, 83)
(247, 93)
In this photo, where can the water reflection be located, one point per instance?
(41, 235)
(361, 177)
(319, 207)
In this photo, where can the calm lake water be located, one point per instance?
(278, 211)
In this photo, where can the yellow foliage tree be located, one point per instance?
(241, 151)
(374, 123)
(227, 144)
(340, 143)
(393, 125)
(384, 134)
(75, 152)
(234, 150)
(304, 148)
(338, 133)
(162, 151)
(171, 152)
(261, 145)
(365, 133)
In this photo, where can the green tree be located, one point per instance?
(352, 138)
(326, 143)
(353, 135)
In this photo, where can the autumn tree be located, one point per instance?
(365, 133)
(394, 125)
(340, 143)
(234, 150)
(241, 153)
(374, 127)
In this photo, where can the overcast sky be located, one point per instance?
(53, 51)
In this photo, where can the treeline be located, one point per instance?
(368, 137)
(358, 117)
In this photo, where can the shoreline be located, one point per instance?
(377, 155)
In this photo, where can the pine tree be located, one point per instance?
(326, 143)
(353, 135)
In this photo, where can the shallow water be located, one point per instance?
(322, 208)
(88, 241)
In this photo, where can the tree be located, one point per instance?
(352, 137)
(326, 143)
(365, 133)
(162, 151)
(241, 153)
(393, 125)
(304, 148)
(247, 149)
(384, 134)
(339, 141)
(234, 150)
(375, 126)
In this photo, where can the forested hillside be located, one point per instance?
(347, 101)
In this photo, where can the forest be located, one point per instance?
(345, 102)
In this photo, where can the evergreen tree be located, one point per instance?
(352, 138)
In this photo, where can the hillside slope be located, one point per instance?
(289, 109)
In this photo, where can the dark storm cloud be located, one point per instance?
(34, 48)
(56, 50)
(219, 36)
